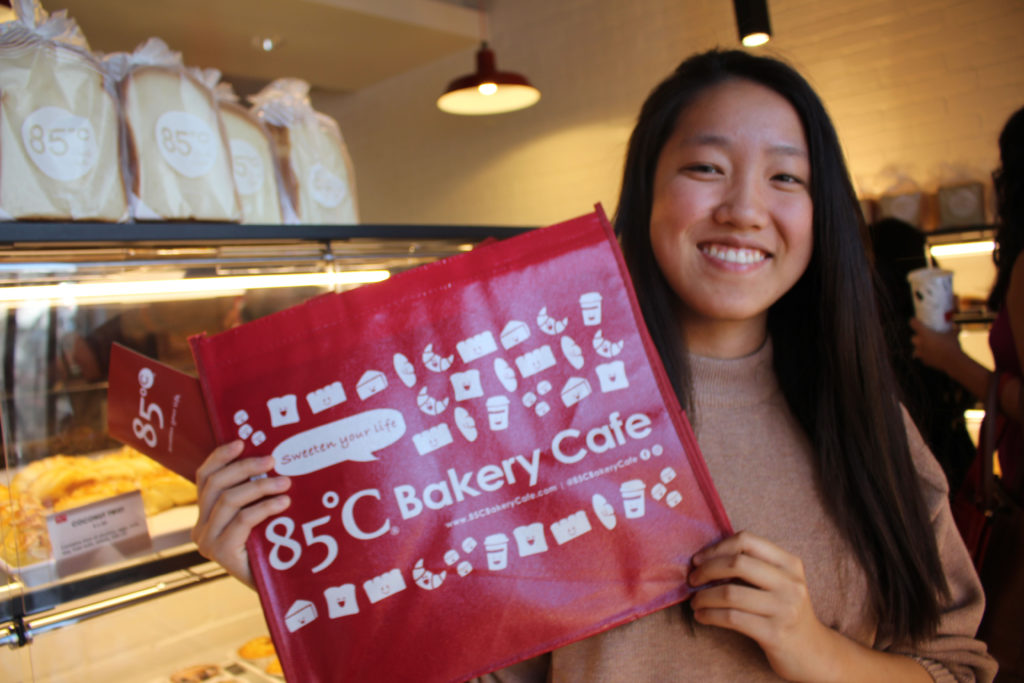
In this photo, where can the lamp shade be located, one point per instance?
(487, 91)
(752, 21)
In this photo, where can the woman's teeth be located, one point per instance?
(734, 255)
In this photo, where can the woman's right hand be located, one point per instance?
(231, 504)
(935, 349)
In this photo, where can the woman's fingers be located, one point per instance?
(234, 497)
(238, 506)
(218, 458)
(219, 474)
(744, 556)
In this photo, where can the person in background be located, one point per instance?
(935, 401)
(744, 240)
(1003, 627)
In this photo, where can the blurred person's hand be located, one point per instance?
(935, 349)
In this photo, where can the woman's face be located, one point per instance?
(731, 216)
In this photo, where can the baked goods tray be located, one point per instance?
(167, 529)
(228, 671)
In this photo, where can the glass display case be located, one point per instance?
(67, 293)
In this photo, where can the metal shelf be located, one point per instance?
(65, 234)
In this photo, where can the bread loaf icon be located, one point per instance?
(612, 376)
(466, 385)
(283, 410)
(326, 397)
(341, 600)
(477, 346)
(384, 586)
(535, 361)
(573, 526)
(431, 439)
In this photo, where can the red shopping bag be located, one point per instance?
(488, 462)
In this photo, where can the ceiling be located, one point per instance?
(338, 45)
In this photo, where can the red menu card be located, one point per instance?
(488, 461)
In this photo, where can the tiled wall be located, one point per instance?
(918, 89)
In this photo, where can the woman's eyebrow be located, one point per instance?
(718, 140)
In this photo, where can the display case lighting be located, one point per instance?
(962, 248)
(187, 288)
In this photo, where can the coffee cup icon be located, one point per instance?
(497, 412)
(633, 497)
(590, 305)
(496, 546)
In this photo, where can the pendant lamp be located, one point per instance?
(487, 91)
(752, 22)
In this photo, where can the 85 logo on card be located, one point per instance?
(151, 416)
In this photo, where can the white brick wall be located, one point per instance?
(919, 90)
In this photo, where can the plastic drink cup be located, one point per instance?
(496, 546)
(633, 497)
(932, 289)
(590, 304)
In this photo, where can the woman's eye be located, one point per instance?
(700, 168)
(787, 178)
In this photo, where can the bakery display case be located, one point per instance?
(98, 577)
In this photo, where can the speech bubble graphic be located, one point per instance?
(355, 438)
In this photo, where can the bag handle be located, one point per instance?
(987, 445)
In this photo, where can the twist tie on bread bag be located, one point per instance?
(62, 105)
(284, 102)
(316, 169)
(33, 23)
(255, 164)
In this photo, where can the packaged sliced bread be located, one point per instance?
(59, 130)
(257, 178)
(315, 165)
(179, 163)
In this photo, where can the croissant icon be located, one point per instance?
(435, 362)
(549, 325)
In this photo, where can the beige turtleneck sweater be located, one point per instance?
(759, 459)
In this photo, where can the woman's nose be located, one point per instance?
(742, 206)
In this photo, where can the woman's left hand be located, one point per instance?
(763, 596)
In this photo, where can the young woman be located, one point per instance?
(743, 237)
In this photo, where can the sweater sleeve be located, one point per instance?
(533, 670)
(953, 654)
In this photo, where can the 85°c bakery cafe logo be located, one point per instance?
(559, 361)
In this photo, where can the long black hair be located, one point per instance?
(1009, 186)
(830, 354)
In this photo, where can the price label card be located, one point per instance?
(158, 410)
(99, 533)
